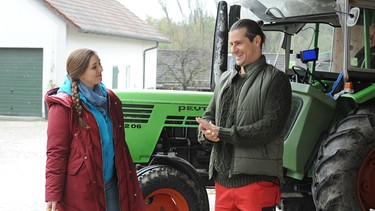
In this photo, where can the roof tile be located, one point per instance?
(107, 17)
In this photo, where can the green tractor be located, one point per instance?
(329, 148)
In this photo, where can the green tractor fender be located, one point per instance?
(363, 95)
(178, 163)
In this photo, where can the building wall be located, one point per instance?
(122, 52)
(27, 24)
(30, 24)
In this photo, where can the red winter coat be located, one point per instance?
(74, 175)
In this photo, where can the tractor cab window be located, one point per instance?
(273, 50)
(311, 38)
(362, 41)
(312, 47)
(287, 35)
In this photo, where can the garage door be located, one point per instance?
(21, 81)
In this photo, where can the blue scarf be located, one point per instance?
(95, 97)
(96, 102)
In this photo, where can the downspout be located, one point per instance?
(144, 62)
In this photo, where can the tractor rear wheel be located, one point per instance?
(166, 188)
(345, 167)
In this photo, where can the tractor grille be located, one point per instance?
(140, 113)
(181, 120)
(137, 113)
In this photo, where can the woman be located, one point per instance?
(89, 166)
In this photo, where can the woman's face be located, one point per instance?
(93, 73)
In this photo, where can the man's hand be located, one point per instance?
(209, 130)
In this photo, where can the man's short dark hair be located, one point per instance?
(252, 29)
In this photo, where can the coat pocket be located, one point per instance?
(74, 166)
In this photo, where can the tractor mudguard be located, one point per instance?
(177, 163)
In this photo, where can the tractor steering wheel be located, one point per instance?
(304, 77)
(301, 74)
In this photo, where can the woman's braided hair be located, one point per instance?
(76, 65)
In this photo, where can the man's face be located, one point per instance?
(372, 35)
(241, 47)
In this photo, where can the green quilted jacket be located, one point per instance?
(263, 106)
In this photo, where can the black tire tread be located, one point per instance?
(339, 160)
(161, 176)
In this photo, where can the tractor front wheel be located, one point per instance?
(166, 188)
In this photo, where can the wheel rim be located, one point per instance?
(166, 199)
(366, 181)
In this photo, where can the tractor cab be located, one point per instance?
(315, 41)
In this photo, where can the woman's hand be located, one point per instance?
(51, 206)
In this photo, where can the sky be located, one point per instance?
(144, 8)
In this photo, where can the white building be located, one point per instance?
(36, 37)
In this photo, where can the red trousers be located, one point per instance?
(256, 196)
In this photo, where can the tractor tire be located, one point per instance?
(344, 171)
(298, 204)
(166, 188)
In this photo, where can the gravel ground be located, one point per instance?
(22, 164)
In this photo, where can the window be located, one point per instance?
(362, 41)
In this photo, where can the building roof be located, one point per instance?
(105, 17)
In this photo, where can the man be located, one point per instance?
(361, 55)
(244, 123)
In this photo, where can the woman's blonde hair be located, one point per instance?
(76, 65)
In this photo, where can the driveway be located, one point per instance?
(22, 164)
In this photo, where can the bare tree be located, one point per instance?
(183, 69)
(191, 40)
